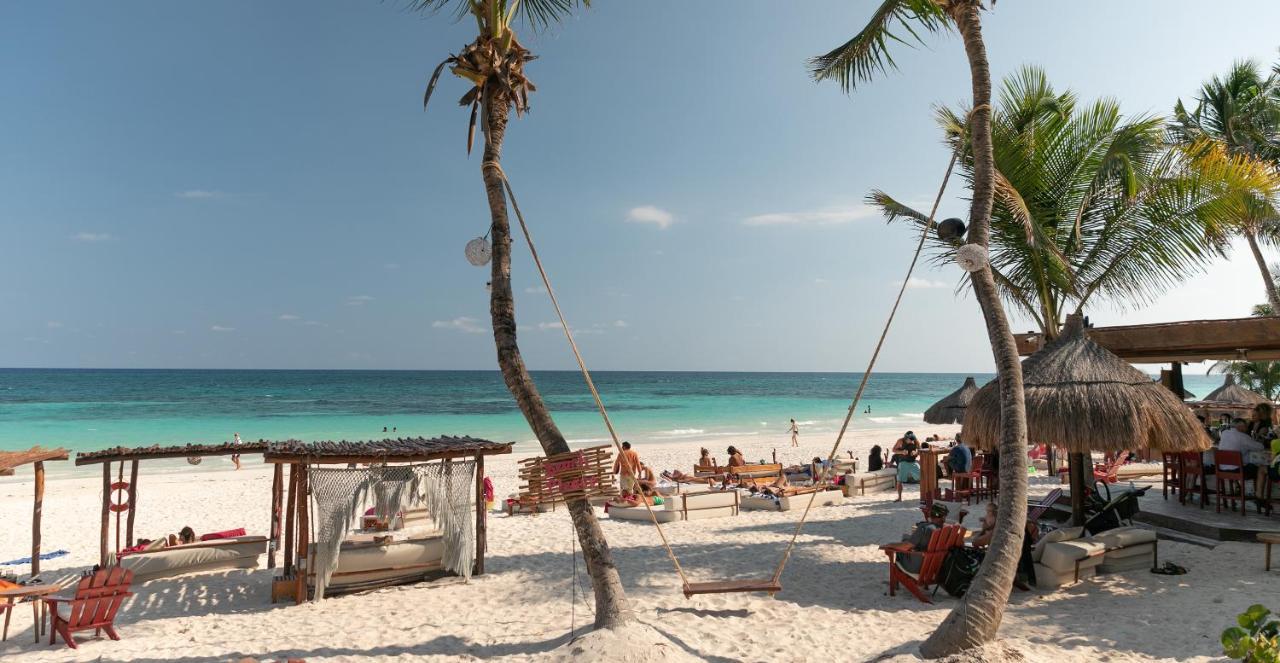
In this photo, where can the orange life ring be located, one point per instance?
(127, 504)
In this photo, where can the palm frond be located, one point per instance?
(867, 53)
(537, 14)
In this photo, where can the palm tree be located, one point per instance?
(493, 66)
(1241, 113)
(977, 619)
(1089, 203)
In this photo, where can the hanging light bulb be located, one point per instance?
(971, 257)
(478, 252)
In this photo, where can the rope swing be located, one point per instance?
(772, 584)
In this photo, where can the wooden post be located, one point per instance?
(133, 501)
(481, 514)
(928, 460)
(1175, 380)
(35, 519)
(119, 479)
(290, 507)
(106, 514)
(1077, 463)
(303, 567)
(277, 478)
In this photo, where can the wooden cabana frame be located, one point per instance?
(1255, 339)
(129, 489)
(296, 508)
(36, 456)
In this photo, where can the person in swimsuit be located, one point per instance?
(795, 434)
(908, 450)
(235, 458)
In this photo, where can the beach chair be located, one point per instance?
(1170, 473)
(1037, 510)
(940, 543)
(1109, 472)
(973, 481)
(94, 605)
(1230, 482)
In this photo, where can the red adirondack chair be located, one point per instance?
(940, 542)
(1109, 472)
(94, 605)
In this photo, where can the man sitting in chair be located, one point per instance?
(919, 537)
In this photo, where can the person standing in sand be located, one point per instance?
(627, 467)
(795, 434)
(235, 457)
(906, 450)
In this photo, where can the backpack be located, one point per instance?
(958, 569)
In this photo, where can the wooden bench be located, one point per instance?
(1268, 538)
(755, 474)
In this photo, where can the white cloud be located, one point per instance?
(220, 328)
(53, 324)
(536, 290)
(199, 194)
(917, 282)
(463, 324)
(650, 214)
(288, 316)
(92, 237)
(358, 300)
(828, 216)
(314, 323)
(621, 324)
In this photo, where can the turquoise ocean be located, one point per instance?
(92, 409)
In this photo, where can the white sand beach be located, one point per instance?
(834, 606)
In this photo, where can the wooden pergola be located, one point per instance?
(297, 516)
(1177, 343)
(37, 456)
(129, 489)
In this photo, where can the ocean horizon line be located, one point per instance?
(488, 370)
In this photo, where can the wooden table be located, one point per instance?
(31, 593)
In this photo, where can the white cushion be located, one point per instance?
(1047, 578)
(1052, 537)
(1131, 551)
(1062, 555)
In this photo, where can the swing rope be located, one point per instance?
(773, 585)
(866, 376)
(577, 355)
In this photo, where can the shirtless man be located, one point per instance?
(627, 467)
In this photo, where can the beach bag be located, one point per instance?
(959, 568)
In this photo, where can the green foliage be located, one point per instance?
(1256, 639)
(861, 58)
(1089, 203)
(495, 15)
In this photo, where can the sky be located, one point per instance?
(256, 185)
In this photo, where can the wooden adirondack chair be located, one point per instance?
(94, 605)
(940, 542)
(1109, 472)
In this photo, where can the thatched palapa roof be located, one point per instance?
(950, 410)
(1081, 397)
(1230, 392)
(169, 451)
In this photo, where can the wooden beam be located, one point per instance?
(291, 506)
(106, 514)
(480, 516)
(304, 543)
(1188, 341)
(35, 519)
(1077, 465)
(133, 502)
(178, 453)
(119, 478)
(273, 540)
(343, 460)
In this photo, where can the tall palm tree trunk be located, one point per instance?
(1267, 278)
(977, 619)
(611, 602)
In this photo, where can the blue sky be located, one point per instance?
(248, 184)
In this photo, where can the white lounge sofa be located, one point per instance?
(859, 483)
(823, 498)
(1062, 557)
(1128, 548)
(684, 506)
(240, 552)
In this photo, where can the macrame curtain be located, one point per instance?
(444, 488)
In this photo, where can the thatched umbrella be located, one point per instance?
(950, 410)
(1081, 397)
(1230, 392)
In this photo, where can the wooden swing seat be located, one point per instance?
(731, 586)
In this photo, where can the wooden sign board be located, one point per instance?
(579, 474)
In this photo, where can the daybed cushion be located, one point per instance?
(1062, 555)
(1048, 579)
(1124, 537)
(694, 501)
(1063, 534)
(365, 556)
(228, 534)
(823, 498)
(640, 513)
(238, 552)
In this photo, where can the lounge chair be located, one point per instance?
(940, 543)
(94, 605)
